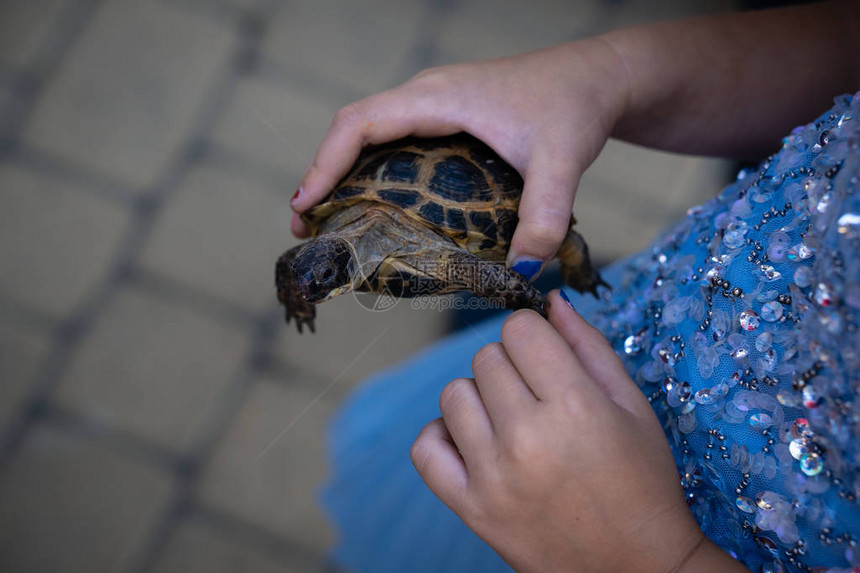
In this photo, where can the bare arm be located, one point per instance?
(733, 84)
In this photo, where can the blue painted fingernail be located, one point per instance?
(527, 267)
(566, 299)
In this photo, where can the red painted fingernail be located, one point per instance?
(296, 195)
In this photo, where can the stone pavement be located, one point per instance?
(156, 414)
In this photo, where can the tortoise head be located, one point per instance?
(324, 268)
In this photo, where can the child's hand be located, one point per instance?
(554, 457)
(547, 113)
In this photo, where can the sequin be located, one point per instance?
(824, 294)
(686, 422)
(765, 500)
(777, 252)
(740, 354)
(769, 273)
(760, 420)
(849, 225)
(749, 320)
(669, 384)
(800, 428)
(803, 277)
(798, 448)
(768, 360)
(684, 391)
(766, 543)
(800, 252)
(745, 504)
(823, 203)
(772, 311)
(811, 398)
(703, 396)
(811, 464)
(764, 341)
(788, 399)
(735, 235)
(633, 345)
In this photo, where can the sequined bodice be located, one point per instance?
(743, 335)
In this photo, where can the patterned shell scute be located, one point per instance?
(455, 185)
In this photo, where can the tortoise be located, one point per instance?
(420, 217)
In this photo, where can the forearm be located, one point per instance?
(733, 84)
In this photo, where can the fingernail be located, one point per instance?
(527, 267)
(566, 299)
(296, 196)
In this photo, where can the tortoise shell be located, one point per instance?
(455, 185)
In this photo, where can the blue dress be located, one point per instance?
(740, 325)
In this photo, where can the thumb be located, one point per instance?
(544, 212)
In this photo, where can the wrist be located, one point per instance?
(651, 85)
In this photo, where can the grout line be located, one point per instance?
(278, 546)
(193, 298)
(82, 178)
(28, 85)
(110, 437)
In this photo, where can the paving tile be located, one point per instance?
(68, 505)
(130, 89)
(360, 45)
(152, 368)
(197, 547)
(630, 194)
(352, 342)
(659, 176)
(222, 233)
(612, 232)
(276, 126)
(56, 241)
(24, 27)
(21, 352)
(10, 104)
(476, 31)
(267, 467)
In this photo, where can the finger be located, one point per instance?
(466, 418)
(596, 355)
(544, 211)
(504, 393)
(546, 362)
(380, 118)
(437, 461)
(299, 228)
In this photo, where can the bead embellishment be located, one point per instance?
(738, 337)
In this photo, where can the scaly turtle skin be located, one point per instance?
(418, 217)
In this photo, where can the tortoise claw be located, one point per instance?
(288, 294)
(304, 317)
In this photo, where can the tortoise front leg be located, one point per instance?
(577, 269)
(460, 270)
(288, 292)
